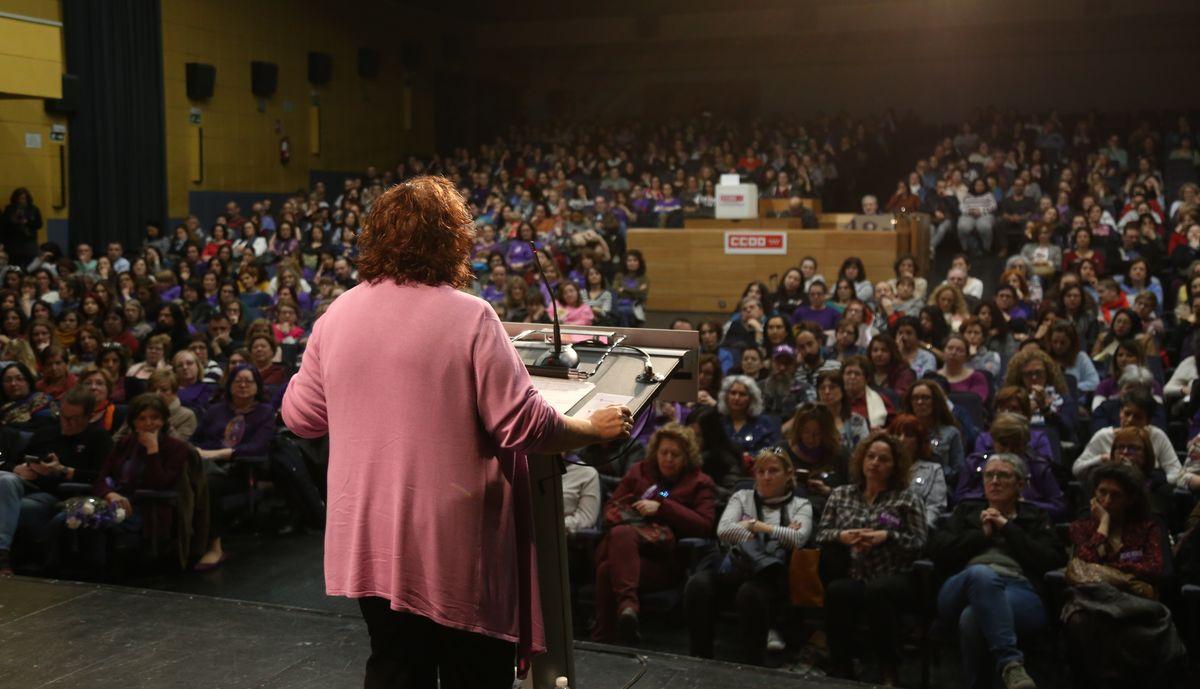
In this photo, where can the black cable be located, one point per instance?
(643, 661)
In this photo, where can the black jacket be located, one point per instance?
(1029, 539)
(84, 452)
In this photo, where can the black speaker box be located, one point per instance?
(320, 68)
(411, 54)
(264, 77)
(368, 63)
(69, 102)
(200, 80)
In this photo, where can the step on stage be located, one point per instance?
(59, 635)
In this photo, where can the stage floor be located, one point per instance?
(56, 635)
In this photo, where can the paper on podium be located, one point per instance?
(600, 401)
(562, 394)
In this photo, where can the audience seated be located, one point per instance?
(759, 528)
(871, 532)
(1114, 627)
(994, 551)
(1009, 435)
(662, 499)
(1098, 275)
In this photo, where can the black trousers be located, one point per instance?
(412, 652)
(879, 601)
(756, 597)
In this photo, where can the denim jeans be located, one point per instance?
(990, 610)
(30, 511)
(12, 489)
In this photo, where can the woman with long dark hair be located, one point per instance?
(1078, 309)
(814, 446)
(888, 367)
(1126, 632)
(853, 270)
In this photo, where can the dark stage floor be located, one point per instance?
(62, 634)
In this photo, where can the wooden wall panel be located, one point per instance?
(690, 271)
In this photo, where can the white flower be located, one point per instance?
(88, 508)
(119, 515)
(73, 523)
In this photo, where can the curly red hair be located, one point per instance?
(419, 231)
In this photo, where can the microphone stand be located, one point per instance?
(563, 355)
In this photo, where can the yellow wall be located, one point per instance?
(21, 112)
(361, 119)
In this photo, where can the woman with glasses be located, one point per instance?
(927, 402)
(240, 424)
(1137, 408)
(1009, 434)
(1133, 446)
(997, 550)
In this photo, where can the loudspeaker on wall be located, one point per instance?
(200, 80)
(368, 63)
(264, 77)
(320, 68)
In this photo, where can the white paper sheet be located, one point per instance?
(600, 401)
(562, 394)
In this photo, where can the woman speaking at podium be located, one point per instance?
(430, 415)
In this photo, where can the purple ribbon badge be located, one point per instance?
(889, 521)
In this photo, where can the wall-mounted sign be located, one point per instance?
(756, 242)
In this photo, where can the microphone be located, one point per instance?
(563, 355)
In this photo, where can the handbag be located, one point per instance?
(1080, 572)
(804, 579)
(621, 512)
(750, 558)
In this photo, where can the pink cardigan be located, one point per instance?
(429, 413)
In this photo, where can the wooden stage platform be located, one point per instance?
(64, 635)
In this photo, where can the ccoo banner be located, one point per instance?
(756, 242)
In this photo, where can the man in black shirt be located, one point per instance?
(72, 451)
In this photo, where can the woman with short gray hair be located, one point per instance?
(995, 551)
(740, 403)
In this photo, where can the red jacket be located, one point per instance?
(690, 508)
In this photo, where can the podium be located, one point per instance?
(610, 360)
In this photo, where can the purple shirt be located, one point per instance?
(827, 317)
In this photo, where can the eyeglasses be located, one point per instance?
(998, 476)
(1128, 449)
